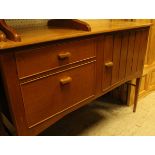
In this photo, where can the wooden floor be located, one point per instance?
(106, 117)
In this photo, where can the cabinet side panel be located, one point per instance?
(12, 89)
(142, 51)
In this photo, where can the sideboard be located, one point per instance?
(53, 71)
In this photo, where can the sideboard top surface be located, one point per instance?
(40, 34)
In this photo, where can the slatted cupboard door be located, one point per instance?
(115, 55)
(123, 56)
(116, 52)
(107, 58)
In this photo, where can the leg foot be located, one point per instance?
(136, 93)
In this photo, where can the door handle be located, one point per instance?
(65, 55)
(109, 64)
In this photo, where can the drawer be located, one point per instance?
(37, 60)
(48, 96)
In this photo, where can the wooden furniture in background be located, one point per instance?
(52, 72)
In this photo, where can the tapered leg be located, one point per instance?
(136, 93)
(2, 130)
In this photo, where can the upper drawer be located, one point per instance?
(40, 59)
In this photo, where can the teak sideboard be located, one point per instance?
(52, 72)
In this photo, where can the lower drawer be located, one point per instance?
(55, 93)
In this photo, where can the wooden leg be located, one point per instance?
(2, 130)
(136, 93)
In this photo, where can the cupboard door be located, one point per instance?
(108, 61)
(115, 58)
(123, 56)
(130, 54)
(138, 39)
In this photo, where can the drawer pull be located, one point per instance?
(65, 80)
(64, 55)
(109, 64)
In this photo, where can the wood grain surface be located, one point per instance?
(34, 35)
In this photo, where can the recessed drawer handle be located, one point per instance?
(109, 64)
(65, 80)
(64, 55)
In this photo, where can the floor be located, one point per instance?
(107, 117)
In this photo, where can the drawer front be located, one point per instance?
(55, 93)
(37, 60)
